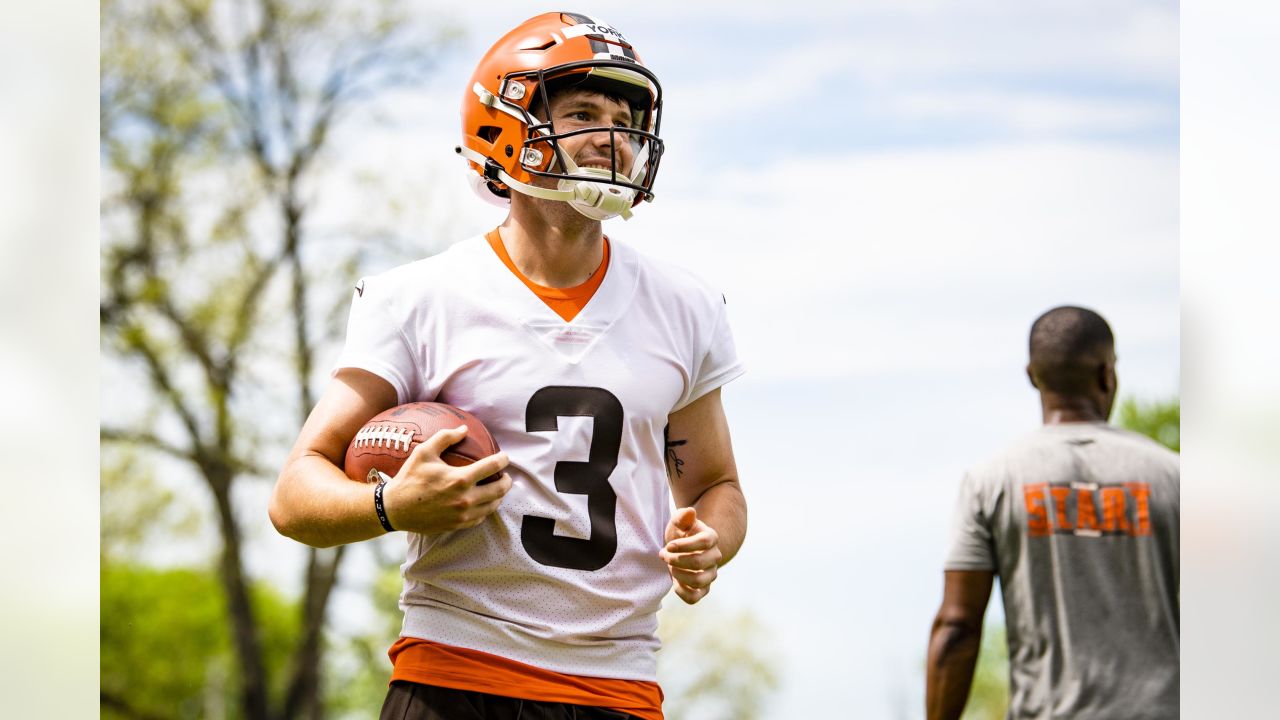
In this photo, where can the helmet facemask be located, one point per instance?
(597, 193)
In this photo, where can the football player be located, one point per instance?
(1080, 521)
(596, 369)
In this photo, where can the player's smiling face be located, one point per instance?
(578, 109)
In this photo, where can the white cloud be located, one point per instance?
(1035, 113)
(869, 263)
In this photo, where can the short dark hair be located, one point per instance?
(1067, 344)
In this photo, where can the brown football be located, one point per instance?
(384, 443)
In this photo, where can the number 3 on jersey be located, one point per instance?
(590, 478)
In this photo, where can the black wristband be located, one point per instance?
(379, 508)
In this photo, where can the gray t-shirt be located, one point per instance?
(1080, 523)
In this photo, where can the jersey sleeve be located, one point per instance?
(718, 364)
(971, 539)
(376, 342)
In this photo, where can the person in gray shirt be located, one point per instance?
(1079, 520)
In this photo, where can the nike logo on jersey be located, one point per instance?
(360, 288)
(1088, 509)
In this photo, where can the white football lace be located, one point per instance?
(384, 436)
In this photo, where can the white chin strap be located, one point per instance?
(596, 199)
(599, 199)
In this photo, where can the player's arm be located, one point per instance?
(710, 522)
(954, 642)
(315, 503)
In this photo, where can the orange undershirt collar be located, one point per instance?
(565, 302)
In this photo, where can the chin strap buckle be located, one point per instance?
(491, 170)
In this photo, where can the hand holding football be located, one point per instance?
(386, 441)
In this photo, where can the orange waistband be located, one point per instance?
(429, 663)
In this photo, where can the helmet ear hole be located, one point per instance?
(489, 133)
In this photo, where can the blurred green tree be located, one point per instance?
(167, 651)
(135, 508)
(214, 115)
(714, 665)
(989, 693)
(149, 611)
(363, 665)
(1159, 420)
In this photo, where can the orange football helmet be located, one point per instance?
(507, 146)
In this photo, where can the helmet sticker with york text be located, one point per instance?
(595, 29)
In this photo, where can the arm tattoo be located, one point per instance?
(673, 460)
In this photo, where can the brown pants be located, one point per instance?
(412, 701)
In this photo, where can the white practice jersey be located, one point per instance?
(565, 575)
